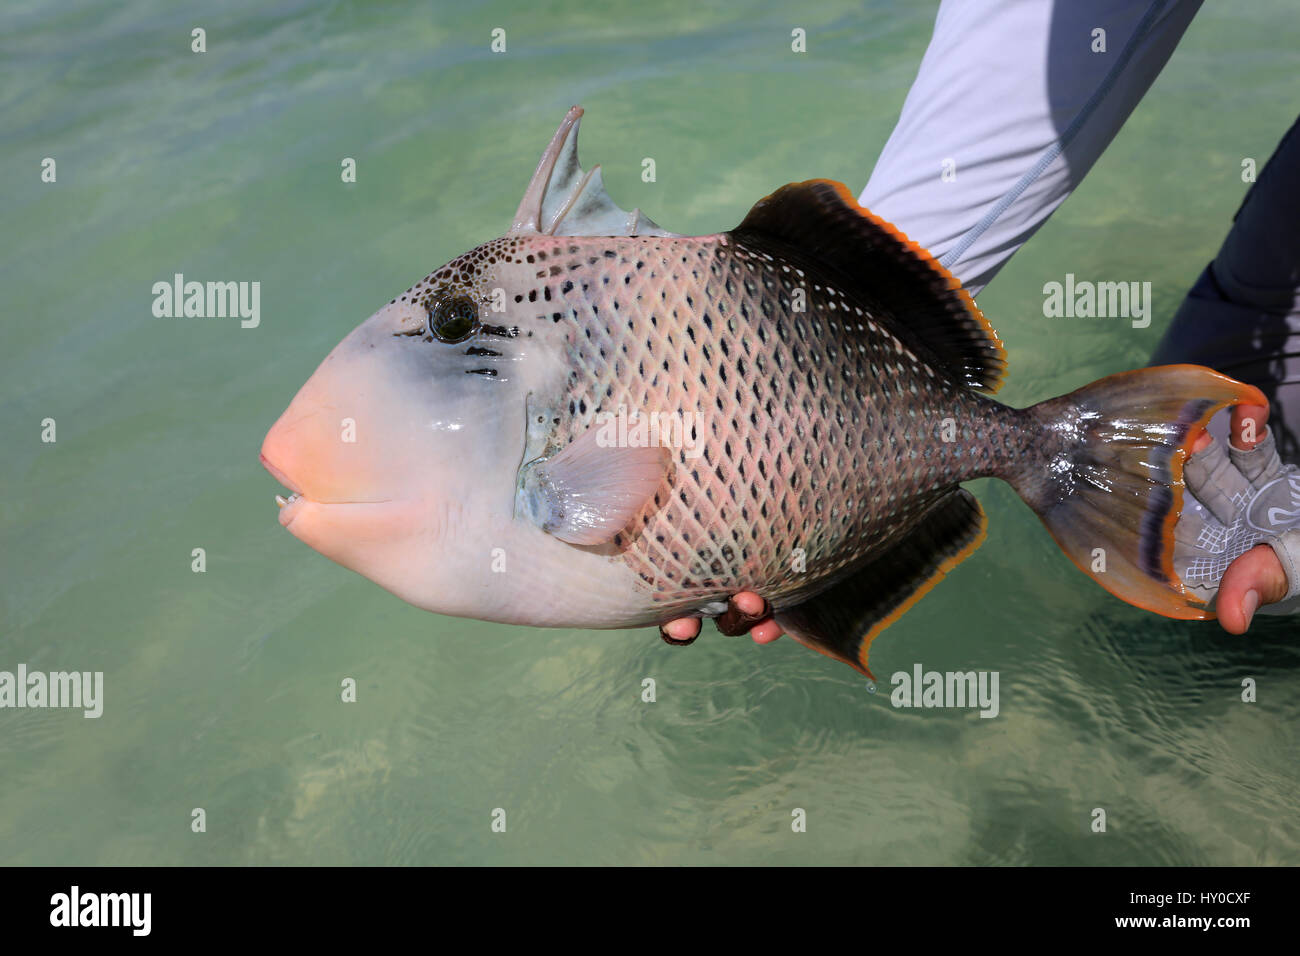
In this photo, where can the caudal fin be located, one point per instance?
(1109, 485)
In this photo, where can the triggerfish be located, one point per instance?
(592, 422)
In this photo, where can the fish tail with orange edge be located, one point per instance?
(1106, 477)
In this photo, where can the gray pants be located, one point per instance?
(1242, 316)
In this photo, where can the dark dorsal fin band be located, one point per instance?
(822, 222)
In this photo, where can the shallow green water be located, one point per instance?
(223, 688)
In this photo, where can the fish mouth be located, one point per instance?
(293, 505)
(279, 476)
(288, 506)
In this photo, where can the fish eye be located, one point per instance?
(453, 319)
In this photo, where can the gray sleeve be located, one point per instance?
(1013, 103)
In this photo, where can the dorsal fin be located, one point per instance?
(563, 199)
(820, 221)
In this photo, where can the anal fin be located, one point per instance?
(842, 621)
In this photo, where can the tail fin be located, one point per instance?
(1110, 488)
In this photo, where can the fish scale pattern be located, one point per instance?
(818, 434)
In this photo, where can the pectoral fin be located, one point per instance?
(564, 200)
(589, 492)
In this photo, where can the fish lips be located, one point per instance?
(377, 538)
(288, 508)
(299, 501)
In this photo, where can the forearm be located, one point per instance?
(1014, 102)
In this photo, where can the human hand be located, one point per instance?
(746, 611)
(1237, 541)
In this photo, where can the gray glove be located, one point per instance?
(1236, 500)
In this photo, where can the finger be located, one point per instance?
(1261, 464)
(1254, 451)
(744, 610)
(682, 631)
(1248, 426)
(1219, 486)
(1254, 579)
(766, 632)
(1201, 441)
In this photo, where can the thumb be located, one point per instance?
(1254, 579)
